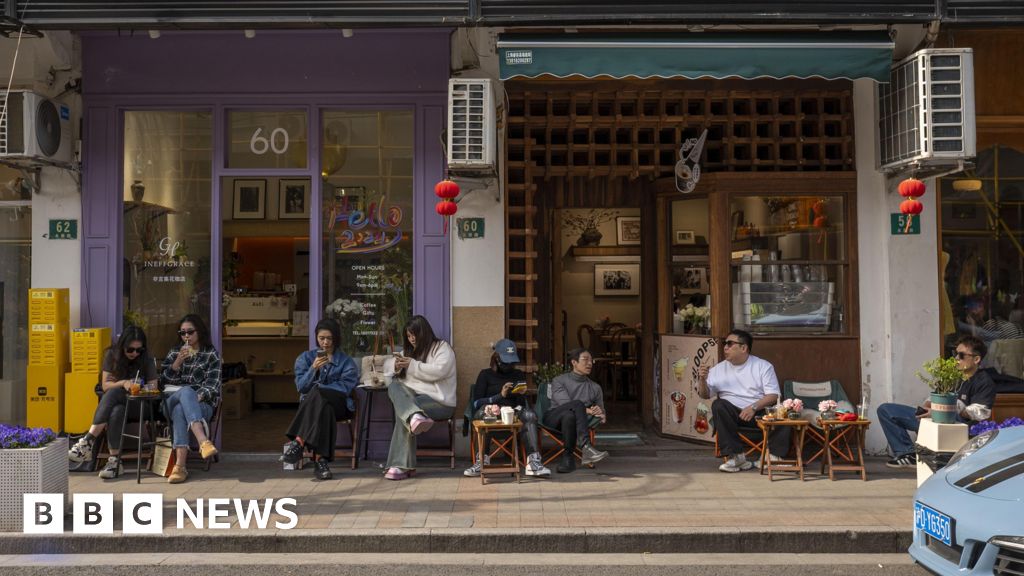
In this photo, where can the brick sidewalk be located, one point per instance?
(667, 486)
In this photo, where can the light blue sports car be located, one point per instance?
(969, 516)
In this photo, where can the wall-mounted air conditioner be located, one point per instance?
(471, 126)
(926, 111)
(34, 128)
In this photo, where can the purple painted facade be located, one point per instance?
(218, 71)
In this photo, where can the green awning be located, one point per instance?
(829, 55)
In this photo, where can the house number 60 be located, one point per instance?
(278, 141)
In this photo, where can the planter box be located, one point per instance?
(31, 471)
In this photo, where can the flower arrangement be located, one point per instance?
(22, 437)
(492, 411)
(546, 372)
(942, 375)
(695, 317)
(827, 406)
(793, 404)
(343, 309)
(988, 425)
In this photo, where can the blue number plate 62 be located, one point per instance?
(935, 524)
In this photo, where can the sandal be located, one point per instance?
(394, 473)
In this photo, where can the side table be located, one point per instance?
(146, 403)
(480, 430)
(783, 465)
(839, 439)
(367, 418)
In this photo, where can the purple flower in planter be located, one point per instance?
(22, 437)
(988, 425)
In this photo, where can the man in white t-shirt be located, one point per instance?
(744, 385)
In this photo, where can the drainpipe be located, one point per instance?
(930, 36)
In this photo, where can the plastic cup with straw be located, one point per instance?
(135, 384)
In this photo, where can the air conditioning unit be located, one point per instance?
(471, 126)
(34, 128)
(926, 111)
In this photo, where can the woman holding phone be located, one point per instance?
(422, 391)
(505, 385)
(124, 364)
(325, 378)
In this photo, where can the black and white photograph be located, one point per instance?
(685, 237)
(293, 199)
(249, 200)
(617, 280)
(627, 230)
(695, 279)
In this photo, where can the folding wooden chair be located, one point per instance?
(555, 435)
(429, 448)
(751, 439)
(345, 445)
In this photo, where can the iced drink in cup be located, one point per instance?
(679, 405)
(188, 351)
(679, 368)
(135, 387)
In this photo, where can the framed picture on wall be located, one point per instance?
(617, 280)
(695, 280)
(250, 200)
(685, 237)
(293, 199)
(628, 230)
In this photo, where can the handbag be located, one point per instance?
(372, 368)
(164, 456)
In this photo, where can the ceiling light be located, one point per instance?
(250, 33)
(967, 185)
(154, 34)
(347, 32)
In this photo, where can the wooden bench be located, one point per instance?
(1008, 406)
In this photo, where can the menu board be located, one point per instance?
(683, 412)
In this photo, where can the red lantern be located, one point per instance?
(446, 189)
(446, 208)
(911, 206)
(912, 188)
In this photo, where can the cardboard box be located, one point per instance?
(236, 399)
(80, 401)
(44, 397)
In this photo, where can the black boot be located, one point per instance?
(566, 464)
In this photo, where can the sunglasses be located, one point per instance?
(132, 350)
(186, 332)
(962, 355)
(729, 343)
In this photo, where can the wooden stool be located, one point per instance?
(837, 441)
(783, 465)
(480, 430)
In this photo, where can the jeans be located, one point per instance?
(402, 453)
(111, 411)
(897, 422)
(185, 409)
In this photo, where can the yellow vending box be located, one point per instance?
(49, 306)
(48, 345)
(44, 395)
(87, 348)
(80, 401)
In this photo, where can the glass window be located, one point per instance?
(367, 169)
(691, 269)
(789, 267)
(15, 280)
(267, 139)
(167, 167)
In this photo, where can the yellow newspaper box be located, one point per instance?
(80, 401)
(44, 395)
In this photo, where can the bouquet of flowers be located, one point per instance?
(827, 406)
(22, 437)
(695, 317)
(793, 404)
(343, 309)
(492, 411)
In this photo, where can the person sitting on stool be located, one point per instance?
(574, 399)
(745, 386)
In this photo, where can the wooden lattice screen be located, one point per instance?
(560, 130)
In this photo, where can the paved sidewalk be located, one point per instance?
(669, 485)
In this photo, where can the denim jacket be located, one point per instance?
(341, 375)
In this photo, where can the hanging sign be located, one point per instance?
(470, 227)
(688, 168)
(905, 224)
(365, 231)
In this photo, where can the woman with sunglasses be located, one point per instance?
(191, 376)
(125, 363)
(325, 378)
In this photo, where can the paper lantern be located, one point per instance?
(446, 208)
(911, 206)
(912, 188)
(446, 189)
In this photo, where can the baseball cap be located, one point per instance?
(506, 350)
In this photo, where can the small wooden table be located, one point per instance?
(147, 404)
(838, 435)
(481, 429)
(783, 465)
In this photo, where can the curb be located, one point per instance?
(446, 540)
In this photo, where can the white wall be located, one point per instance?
(899, 280)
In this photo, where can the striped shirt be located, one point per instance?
(201, 372)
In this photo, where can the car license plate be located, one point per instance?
(933, 523)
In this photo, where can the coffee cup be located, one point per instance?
(508, 415)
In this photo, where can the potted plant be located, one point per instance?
(943, 377)
(36, 462)
(586, 225)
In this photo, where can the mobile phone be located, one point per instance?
(519, 388)
(321, 353)
(920, 411)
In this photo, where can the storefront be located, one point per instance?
(677, 201)
(212, 159)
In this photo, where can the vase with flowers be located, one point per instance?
(793, 407)
(585, 224)
(694, 319)
(828, 409)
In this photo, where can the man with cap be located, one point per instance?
(503, 384)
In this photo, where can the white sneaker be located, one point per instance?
(771, 458)
(736, 464)
(534, 467)
(474, 470)
(81, 451)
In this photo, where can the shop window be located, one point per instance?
(15, 279)
(982, 214)
(690, 266)
(166, 233)
(367, 171)
(789, 266)
(274, 139)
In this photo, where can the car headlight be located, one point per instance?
(972, 446)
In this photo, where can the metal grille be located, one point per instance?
(990, 11)
(1009, 559)
(470, 124)
(31, 471)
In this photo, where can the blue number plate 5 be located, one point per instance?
(935, 524)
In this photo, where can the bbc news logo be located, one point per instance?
(144, 513)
